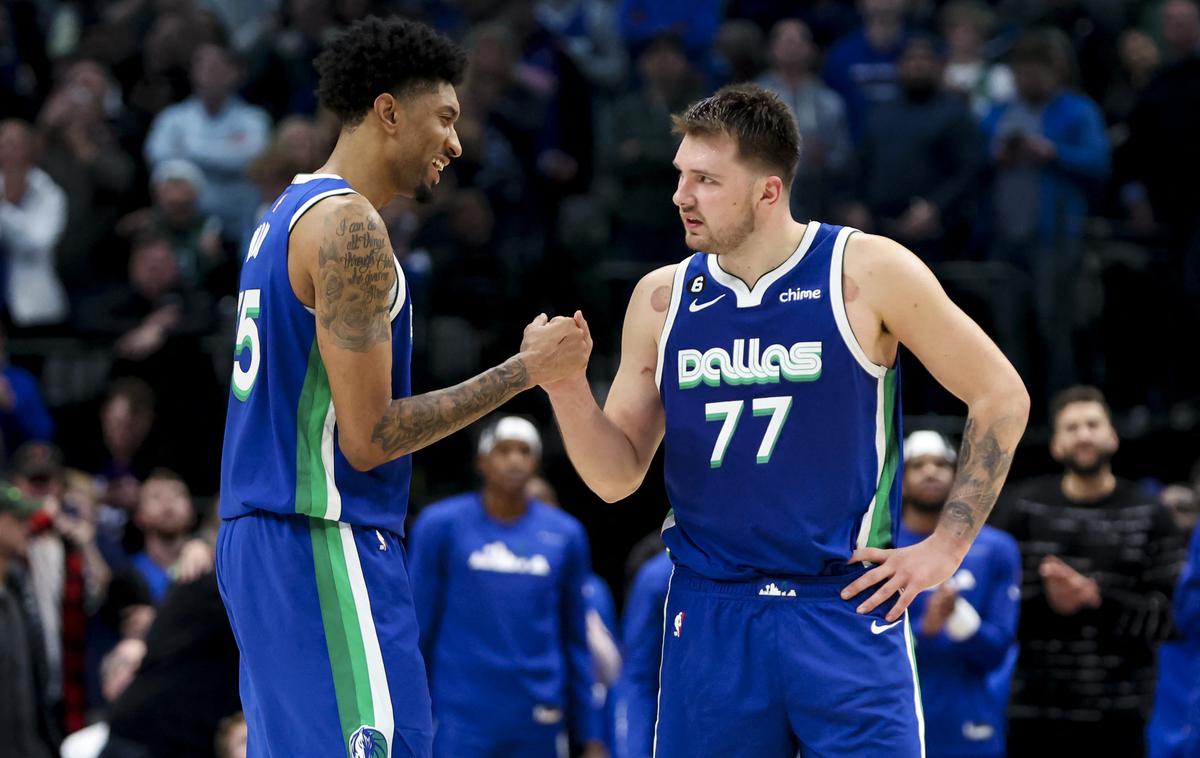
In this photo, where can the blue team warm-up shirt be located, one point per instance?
(281, 453)
(641, 647)
(1175, 725)
(965, 682)
(782, 438)
(503, 618)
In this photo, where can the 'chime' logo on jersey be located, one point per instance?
(748, 363)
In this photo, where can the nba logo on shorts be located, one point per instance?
(368, 742)
(678, 623)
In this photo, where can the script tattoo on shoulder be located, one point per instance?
(356, 274)
(983, 465)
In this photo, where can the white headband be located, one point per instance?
(512, 428)
(927, 442)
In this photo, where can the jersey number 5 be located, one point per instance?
(730, 411)
(247, 339)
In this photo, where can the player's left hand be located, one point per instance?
(905, 572)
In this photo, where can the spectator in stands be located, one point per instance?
(1181, 29)
(1100, 560)
(33, 215)
(1183, 502)
(1091, 36)
(187, 683)
(646, 224)
(68, 574)
(1162, 155)
(566, 133)
(119, 461)
(117, 671)
(165, 517)
(156, 76)
(641, 648)
(194, 236)
(297, 147)
(1140, 61)
(154, 308)
(824, 174)
(862, 66)
(921, 156)
(966, 629)
(1049, 151)
(217, 131)
(23, 414)
(694, 22)
(739, 48)
(283, 79)
(498, 583)
(25, 721)
(967, 25)
(81, 153)
(588, 34)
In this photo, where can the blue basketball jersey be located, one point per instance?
(281, 449)
(782, 438)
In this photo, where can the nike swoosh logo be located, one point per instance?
(877, 629)
(698, 306)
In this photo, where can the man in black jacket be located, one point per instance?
(26, 728)
(1100, 559)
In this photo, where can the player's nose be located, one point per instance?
(453, 146)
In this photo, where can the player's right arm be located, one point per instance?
(341, 261)
(612, 448)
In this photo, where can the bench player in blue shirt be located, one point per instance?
(499, 583)
(966, 629)
(767, 363)
(315, 468)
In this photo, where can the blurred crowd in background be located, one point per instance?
(1039, 155)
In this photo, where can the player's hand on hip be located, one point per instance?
(903, 572)
(556, 348)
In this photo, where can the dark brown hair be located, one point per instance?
(760, 124)
(1080, 393)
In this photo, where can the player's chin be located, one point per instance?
(423, 193)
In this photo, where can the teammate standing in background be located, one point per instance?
(499, 580)
(966, 629)
(770, 365)
(316, 467)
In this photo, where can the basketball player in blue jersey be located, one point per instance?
(315, 468)
(767, 362)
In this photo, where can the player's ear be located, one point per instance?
(772, 190)
(388, 110)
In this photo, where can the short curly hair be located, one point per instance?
(375, 55)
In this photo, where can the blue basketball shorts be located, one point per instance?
(780, 668)
(323, 616)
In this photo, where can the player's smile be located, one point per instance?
(438, 165)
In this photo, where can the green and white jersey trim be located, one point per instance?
(875, 529)
(910, 648)
(359, 676)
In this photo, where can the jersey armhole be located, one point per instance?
(304, 208)
(681, 270)
(838, 303)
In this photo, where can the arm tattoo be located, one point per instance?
(356, 274)
(411, 423)
(982, 465)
